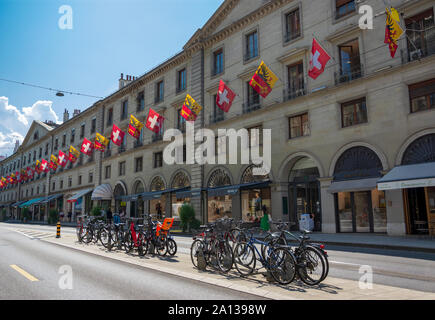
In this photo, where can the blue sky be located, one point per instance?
(109, 37)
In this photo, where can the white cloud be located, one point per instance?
(14, 123)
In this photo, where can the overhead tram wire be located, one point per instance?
(50, 89)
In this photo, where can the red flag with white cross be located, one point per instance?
(154, 121)
(44, 166)
(318, 61)
(117, 135)
(30, 172)
(87, 147)
(62, 159)
(225, 97)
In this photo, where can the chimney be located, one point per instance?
(65, 116)
(124, 82)
(76, 112)
(17, 145)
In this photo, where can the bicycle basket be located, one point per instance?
(223, 225)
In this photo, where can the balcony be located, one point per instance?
(422, 51)
(157, 137)
(215, 118)
(137, 144)
(249, 107)
(289, 36)
(293, 93)
(352, 73)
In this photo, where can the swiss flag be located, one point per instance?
(44, 166)
(87, 147)
(318, 61)
(62, 159)
(117, 135)
(154, 121)
(30, 172)
(225, 97)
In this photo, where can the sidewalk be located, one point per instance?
(181, 265)
(42, 223)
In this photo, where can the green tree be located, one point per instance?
(53, 216)
(187, 217)
(3, 215)
(26, 214)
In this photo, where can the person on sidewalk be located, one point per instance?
(109, 215)
(264, 224)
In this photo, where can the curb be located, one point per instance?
(199, 277)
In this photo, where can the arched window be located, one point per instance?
(138, 187)
(219, 178)
(157, 184)
(358, 162)
(421, 150)
(249, 177)
(181, 180)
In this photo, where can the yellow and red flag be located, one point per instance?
(263, 80)
(101, 142)
(191, 109)
(53, 163)
(135, 127)
(38, 166)
(73, 154)
(393, 30)
(4, 181)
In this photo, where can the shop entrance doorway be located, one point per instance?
(417, 211)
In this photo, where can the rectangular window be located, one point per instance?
(296, 85)
(420, 35)
(82, 131)
(350, 63)
(140, 102)
(46, 149)
(40, 153)
(256, 137)
(122, 168)
(124, 110)
(354, 112)
(218, 113)
(73, 135)
(218, 62)
(110, 117)
(158, 160)
(80, 180)
(344, 7)
(422, 95)
(108, 171)
(251, 46)
(54, 186)
(252, 99)
(69, 181)
(56, 144)
(292, 25)
(61, 184)
(94, 125)
(91, 177)
(158, 136)
(160, 91)
(181, 122)
(181, 80)
(299, 126)
(138, 164)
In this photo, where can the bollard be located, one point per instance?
(58, 230)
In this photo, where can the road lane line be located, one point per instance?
(23, 273)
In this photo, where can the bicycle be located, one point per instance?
(279, 261)
(312, 259)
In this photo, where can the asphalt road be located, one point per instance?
(403, 269)
(33, 269)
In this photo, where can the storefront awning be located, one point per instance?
(353, 185)
(194, 193)
(79, 194)
(412, 176)
(16, 204)
(30, 202)
(51, 198)
(232, 190)
(102, 192)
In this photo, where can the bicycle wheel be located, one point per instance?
(89, 235)
(282, 265)
(272, 241)
(224, 257)
(172, 247)
(104, 237)
(128, 242)
(236, 235)
(141, 244)
(311, 266)
(195, 248)
(244, 258)
(161, 246)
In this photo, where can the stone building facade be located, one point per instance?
(333, 138)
